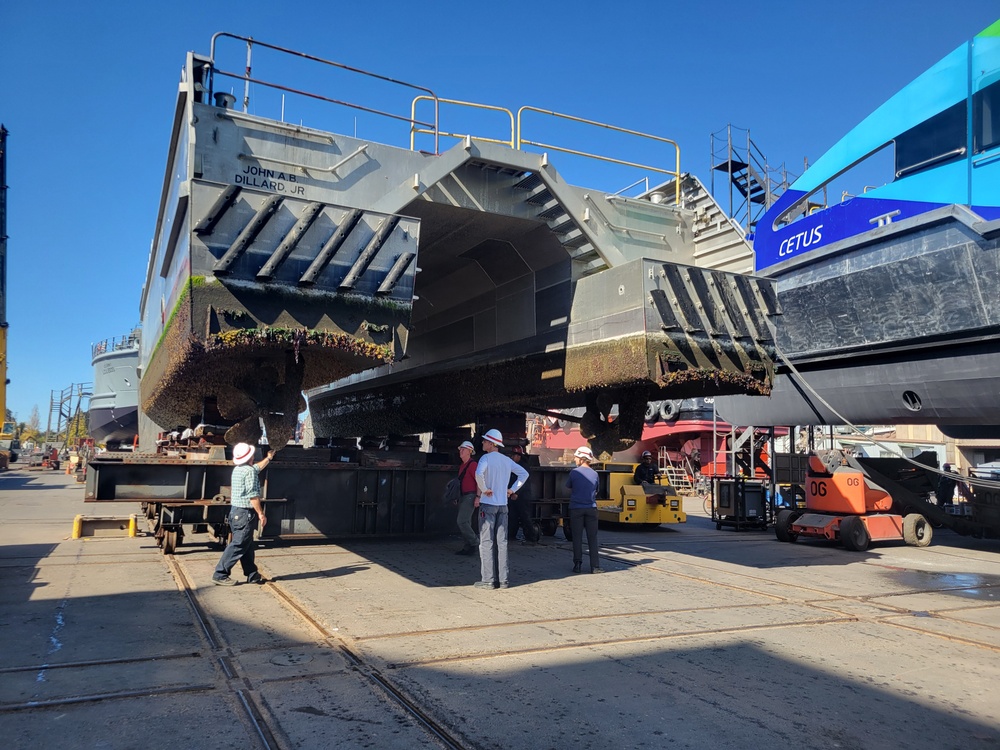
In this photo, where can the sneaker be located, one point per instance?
(597, 570)
(483, 585)
(256, 577)
(227, 581)
(504, 585)
(577, 567)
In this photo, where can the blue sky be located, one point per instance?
(87, 92)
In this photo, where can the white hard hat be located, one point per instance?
(585, 453)
(494, 436)
(242, 453)
(466, 444)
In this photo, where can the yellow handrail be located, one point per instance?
(677, 149)
(414, 122)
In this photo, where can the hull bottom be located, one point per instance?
(114, 425)
(946, 386)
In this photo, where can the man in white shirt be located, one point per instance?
(493, 478)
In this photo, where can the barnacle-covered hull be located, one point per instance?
(255, 366)
(626, 340)
(260, 284)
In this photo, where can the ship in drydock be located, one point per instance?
(113, 415)
(888, 298)
(286, 259)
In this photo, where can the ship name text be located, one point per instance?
(800, 241)
(269, 179)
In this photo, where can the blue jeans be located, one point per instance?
(243, 522)
(493, 530)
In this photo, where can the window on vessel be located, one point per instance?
(986, 118)
(869, 172)
(935, 140)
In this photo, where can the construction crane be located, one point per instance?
(7, 433)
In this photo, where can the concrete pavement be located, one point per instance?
(694, 638)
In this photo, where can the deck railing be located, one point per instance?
(432, 127)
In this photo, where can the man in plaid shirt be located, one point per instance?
(246, 510)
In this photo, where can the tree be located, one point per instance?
(35, 422)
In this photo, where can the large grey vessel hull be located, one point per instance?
(901, 326)
(114, 405)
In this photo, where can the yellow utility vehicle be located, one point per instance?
(646, 504)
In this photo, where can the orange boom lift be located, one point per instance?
(848, 501)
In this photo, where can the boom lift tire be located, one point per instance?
(853, 534)
(783, 524)
(916, 530)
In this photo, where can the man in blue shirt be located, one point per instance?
(582, 483)
(493, 478)
(245, 511)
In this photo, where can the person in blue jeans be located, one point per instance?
(244, 514)
(493, 479)
(582, 484)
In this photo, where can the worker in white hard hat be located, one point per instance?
(582, 483)
(646, 471)
(493, 478)
(467, 498)
(245, 512)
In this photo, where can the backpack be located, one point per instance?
(453, 490)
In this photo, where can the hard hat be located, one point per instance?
(467, 444)
(647, 453)
(494, 437)
(242, 453)
(585, 453)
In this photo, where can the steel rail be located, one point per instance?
(98, 662)
(185, 586)
(141, 693)
(260, 725)
(363, 668)
(648, 638)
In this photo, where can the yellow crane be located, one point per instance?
(7, 433)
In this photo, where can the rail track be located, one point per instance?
(381, 644)
(239, 678)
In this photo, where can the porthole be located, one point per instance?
(912, 401)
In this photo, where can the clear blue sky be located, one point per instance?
(87, 92)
